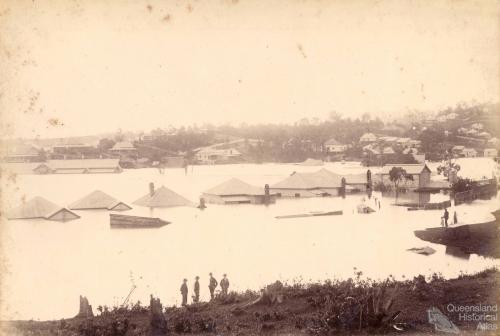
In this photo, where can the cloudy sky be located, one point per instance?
(85, 67)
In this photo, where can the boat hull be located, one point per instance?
(135, 222)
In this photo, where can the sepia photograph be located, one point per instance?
(249, 167)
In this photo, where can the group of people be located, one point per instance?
(212, 285)
(446, 216)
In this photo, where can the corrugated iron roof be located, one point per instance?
(96, 200)
(37, 207)
(409, 168)
(163, 198)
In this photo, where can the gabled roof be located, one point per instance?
(39, 207)
(411, 169)
(320, 179)
(234, 186)
(163, 198)
(332, 141)
(98, 200)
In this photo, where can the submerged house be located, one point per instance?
(235, 191)
(162, 198)
(99, 200)
(420, 175)
(320, 183)
(21, 153)
(358, 182)
(92, 166)
(39, 207)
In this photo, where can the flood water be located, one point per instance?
(49, 264)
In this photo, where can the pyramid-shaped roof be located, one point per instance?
(163, 198)
(39, 207)
(98, 200)
(235, 186)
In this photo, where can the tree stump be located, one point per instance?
(85, 308)
(157, 321)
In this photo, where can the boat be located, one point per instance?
(312, 214)
(135, 222)
(364, 209)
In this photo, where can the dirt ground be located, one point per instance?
(353, 306)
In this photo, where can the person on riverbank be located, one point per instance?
(212, 284)
(224, 284)
(184, 292)
(455, 218)
(196, 297)
(446, 215)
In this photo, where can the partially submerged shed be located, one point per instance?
(86, 166)
(39, 207)
(99, 200)
(235, 191)
(162, 198)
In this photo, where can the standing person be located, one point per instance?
(379, 204)
(212, 284)
(196, 297)
(455, 218)
(446, 216)
(224, 284)
(184, 292)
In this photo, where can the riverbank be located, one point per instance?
(353, 306)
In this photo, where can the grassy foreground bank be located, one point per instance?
(352, 306)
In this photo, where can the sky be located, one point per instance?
(88, 67)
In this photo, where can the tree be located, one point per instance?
(463, 184)
(105, 144)
(448, 169)
(398, 175)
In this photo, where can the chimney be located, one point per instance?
(151, 189)
(266, 194)
(342, 188)
(369, 178)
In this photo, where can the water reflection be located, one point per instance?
(85, 257)
(457, 252)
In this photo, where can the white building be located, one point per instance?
(469, 152)
(333, 146)
(490, 152)
(368, 137)
(211, 156)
